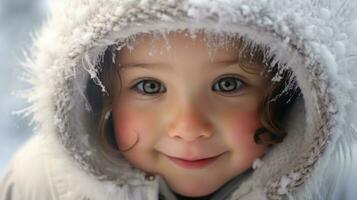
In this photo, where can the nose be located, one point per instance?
(189, 125)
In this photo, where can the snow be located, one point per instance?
(340, 49)
(295, 176)
(328, 59)
(144, 3)
(325, 13)
(83, 13)
(309, 31)
(257, 163)
(119, 11)
(284, 182)
(107, 115)
(245, 9)
(353, 28)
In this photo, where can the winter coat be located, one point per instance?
(315, 39)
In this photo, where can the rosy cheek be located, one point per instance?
(246, 122)
(127, 129)
(244, 126)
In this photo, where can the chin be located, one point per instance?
(194, 194)
(194, 190)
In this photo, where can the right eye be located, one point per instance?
(228, 85)
(149, 87)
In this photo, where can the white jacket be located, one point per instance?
(316, 39)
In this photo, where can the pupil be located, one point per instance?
(150, 87)
(227, 84)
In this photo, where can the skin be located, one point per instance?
(187, 118)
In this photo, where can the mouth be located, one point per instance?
(193, 163)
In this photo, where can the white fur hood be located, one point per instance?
(316, 39)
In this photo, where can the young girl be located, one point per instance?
(189, 100)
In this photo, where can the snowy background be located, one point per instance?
(18, 20)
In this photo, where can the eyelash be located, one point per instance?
(140, 86)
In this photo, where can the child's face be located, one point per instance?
(181, 104)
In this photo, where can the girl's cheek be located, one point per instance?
(127, 130)
(243, 127)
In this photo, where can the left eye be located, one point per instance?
(149, 87)
(228, 85)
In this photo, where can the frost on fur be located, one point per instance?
(213, 40)
(257, 163)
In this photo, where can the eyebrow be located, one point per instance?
(143, 65)
(223, 64)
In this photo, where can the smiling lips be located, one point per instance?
(192, 164)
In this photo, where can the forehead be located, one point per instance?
(180, 45)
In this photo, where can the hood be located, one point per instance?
(315, 39)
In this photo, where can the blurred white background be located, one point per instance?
(19, 19)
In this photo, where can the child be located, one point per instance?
(187, 100)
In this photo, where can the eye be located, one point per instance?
(228, 85)
(149, 87)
